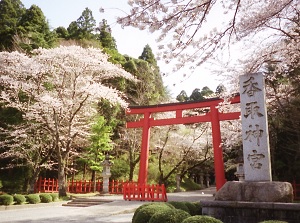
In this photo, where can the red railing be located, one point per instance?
(134, 191)
(77, 186)
(296, 190)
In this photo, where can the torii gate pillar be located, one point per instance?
(214, 116)
(218, 152)
(143, 171)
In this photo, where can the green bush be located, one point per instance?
(201, 219)
(45, 198)
(143, 214)
(179, 205)
(169, 216)
(193, 208)
(273, 221)
(198, 208)
(6, 199)
(33, 198)
(54, 196)
(19, 199)
(148, 204)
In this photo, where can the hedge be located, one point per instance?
(169, 216)
(201, 219)
(6, 199)
(144, 214)
(33, 198)
(19, 199)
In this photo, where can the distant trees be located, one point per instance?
(11, 12)
(22, 28)
(196, 95)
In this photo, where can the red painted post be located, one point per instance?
(143, 171)
(218, 153)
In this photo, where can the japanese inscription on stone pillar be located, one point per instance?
(256, 150)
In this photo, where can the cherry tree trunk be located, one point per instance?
(62, 184)
(33, 179)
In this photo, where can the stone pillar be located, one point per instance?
(240, 172)
(178, 180)
(106, 174)
(201, 179)
(207, 179)
(256, 150)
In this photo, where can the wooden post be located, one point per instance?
(218, 153)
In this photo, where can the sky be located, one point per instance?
(130, 41)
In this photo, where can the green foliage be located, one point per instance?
(19, 199)
(54, 196)
(46, 198)
(198, 208)
(201, 219)
(182, 97)
(33, 198)
(6, 199)
(179, 205)
(120, 169)
(189, 185)
(61, 32)
(148, 55)
(11, 12)
(197, 94)
(143, 213)
(86, 24)
(105, 37)
(169, 216)
(193, 208)
(34, 27)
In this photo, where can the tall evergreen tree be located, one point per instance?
(86, 24)
(11, 12)
(34, 27)
(105, 37)
(148, 55)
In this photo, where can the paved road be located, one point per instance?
(117, 211)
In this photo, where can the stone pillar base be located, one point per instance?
(256, 192)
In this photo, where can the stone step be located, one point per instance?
(84, 202)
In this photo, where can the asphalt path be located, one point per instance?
(116, 210)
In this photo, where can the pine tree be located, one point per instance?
(11, 12)
(148, 55)
(34, 27)
(86, 24)
(105, 37)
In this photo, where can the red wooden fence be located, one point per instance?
(77, 186)
(134, 191)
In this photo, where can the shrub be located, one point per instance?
(179, 205)
(273, 221)
(45, 198)
(193, 209)
(33, 198)
(6, 199)
(144, 214)
(169, 216)
(19, 199)
(145, 205)
(201, 219)
(54, 196)
(198, 208)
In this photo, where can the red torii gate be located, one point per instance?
(213, 116)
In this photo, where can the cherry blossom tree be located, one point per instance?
(57, 89)
(191, 31)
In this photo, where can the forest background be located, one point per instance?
(183, 150)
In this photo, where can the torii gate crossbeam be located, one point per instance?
(213, 116)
